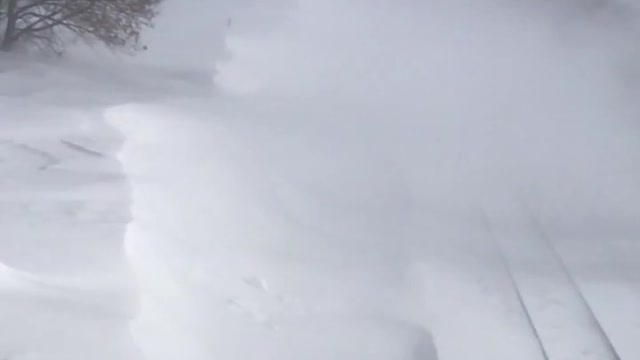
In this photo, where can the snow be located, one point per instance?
(364, 181)
(320, 285)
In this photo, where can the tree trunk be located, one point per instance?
(10, 29)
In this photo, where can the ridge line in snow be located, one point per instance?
(544, 238)
(514, 284)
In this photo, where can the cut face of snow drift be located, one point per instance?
(242, 273)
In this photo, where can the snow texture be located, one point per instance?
(365, 180)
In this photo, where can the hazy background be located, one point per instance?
(507, 96)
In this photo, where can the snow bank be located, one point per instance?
(229, 262)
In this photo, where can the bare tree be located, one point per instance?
(53, 23)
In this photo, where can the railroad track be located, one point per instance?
(557, 314)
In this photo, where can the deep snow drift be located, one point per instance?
(370, 180)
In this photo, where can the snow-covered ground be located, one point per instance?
(416, 181)
(66, 287)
